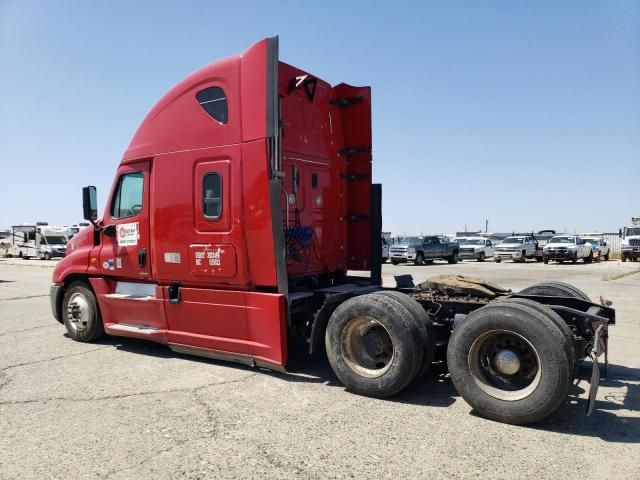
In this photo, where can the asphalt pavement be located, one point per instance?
(128, 409)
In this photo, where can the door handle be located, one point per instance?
(142, 257)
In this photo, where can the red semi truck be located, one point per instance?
(242, 202)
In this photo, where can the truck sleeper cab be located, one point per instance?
(235, 214)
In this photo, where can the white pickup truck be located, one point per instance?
(599, 246)
(567, 247)
(517, 248)
(477, 248)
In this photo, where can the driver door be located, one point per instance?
(127, 255)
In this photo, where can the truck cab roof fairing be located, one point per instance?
(179, 122)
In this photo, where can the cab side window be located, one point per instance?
(214, 102)
(127, 200)
(212, 196)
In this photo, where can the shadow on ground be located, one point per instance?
(435, 389)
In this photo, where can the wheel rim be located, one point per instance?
(78, 312)
(367, 347)
(505, 365)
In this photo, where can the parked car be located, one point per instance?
(599, 246)
(385, 250)
(518, 248)
(420, 250)
(459, 240)
(477, 248)
(567, 247)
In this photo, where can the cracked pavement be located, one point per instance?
(129, 409)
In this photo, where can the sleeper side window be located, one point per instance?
(127, 200)
(212, 196)
(214, 102)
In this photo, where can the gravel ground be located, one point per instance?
(127, 409)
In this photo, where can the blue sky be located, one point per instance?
(523, 113)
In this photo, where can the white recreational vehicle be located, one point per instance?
(39, 241)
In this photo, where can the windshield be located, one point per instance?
(55, 240)
(411, 240)
(459, 241)
(475, 241)
(562, 240)
(513, 240)
(632, 231)
(592, 241)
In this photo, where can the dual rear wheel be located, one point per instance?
(512, 360)
(379, 343)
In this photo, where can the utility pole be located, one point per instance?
(486, 226)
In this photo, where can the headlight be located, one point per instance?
(571, 247)
(411, 250)
(624, 243)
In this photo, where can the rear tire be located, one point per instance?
(421, 316)
(555, 289)
(509, 363)
(374, 345)
(81, 314)
(558, 322)
(589, 258)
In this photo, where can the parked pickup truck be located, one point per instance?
(420, 250)
(567, 247)
(599, 246)
(518, 248)
(477, 248)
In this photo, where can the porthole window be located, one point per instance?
(214, 102)
(212, 196)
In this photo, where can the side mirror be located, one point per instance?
(90, 203)
(620, 233)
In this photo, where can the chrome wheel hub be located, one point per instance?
(78, 312)
(505, 365)
(507, 362)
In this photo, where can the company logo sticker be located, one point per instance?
(128, 234)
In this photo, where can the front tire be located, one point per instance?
(395, 262)
(498, 260)
(375, 345)
(419, 259)
(606, 257)
(46, 256)
(509, 363)
(453, 258)
(481, 257)
(81, 313)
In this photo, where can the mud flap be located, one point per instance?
(599, 347)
